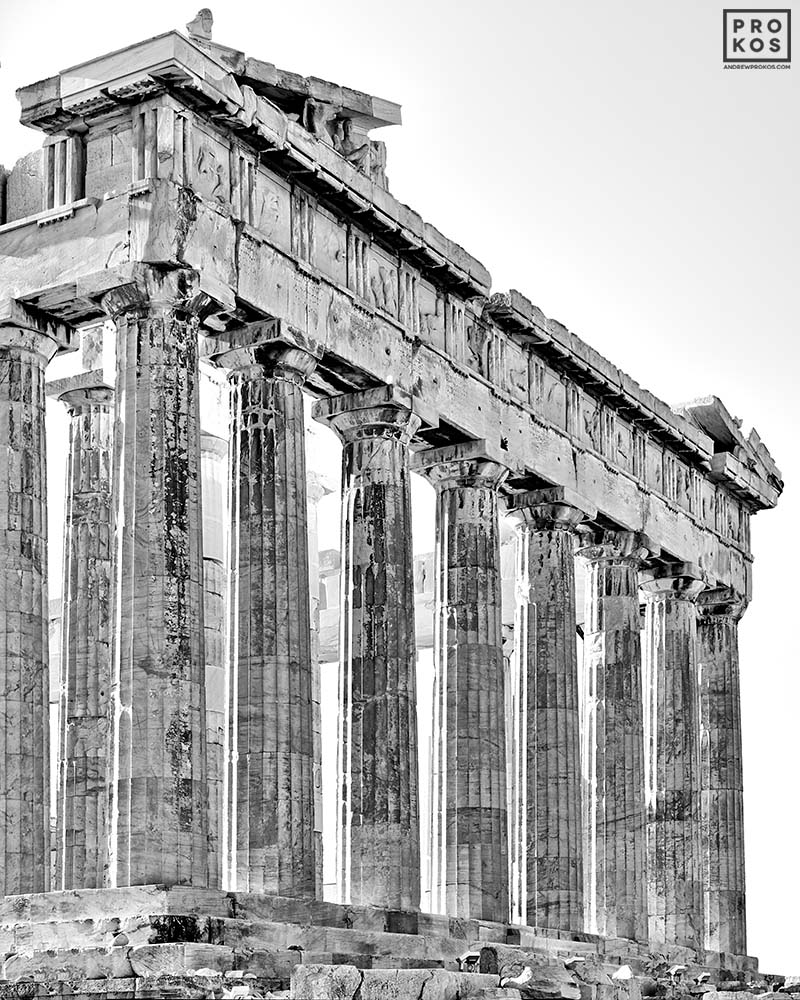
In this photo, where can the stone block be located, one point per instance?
(154, 959)
(401, 922)
(394, 984)
(24, 187)
(89, 963)
(325, 982)
(107, 989)
(444, 985)
(180, 987)
(274, 965)
(17, 991)
(173, 927)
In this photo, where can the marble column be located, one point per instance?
(549, 706)
(515, 772)
(27, 343)
(469, 846)
(674, 875)
(613, 737)
(722, 820)
(84, 717)
(378, 811)
(315, 491)
(158, 831)
(272, 798)
(214, 479)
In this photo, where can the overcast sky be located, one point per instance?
(596, 156)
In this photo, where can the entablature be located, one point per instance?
(198, 171)
(173, 65)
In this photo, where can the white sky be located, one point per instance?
(597, 157)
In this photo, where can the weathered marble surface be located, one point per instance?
(378, 811)
(549, 707)
(722, 815)
(272, 809)
(468, 836)
(85, 718)
(674, 873)
(304, 238)
(613, 737)
(26, 347)
(159, 806)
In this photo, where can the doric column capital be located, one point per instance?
(602, 545)
(81, 392)
(269, 347)
(213, 444)
(471, 463)
(681, 581)
(385, 412)
(720, 604)
(558, 507)
(150, 288)
(26, 329)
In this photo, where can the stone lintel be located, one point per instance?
(269, 343)
(554, 507)
(685, 580)
(23, 325)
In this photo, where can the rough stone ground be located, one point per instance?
(150, 941)
(196, 970)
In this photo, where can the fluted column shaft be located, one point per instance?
(273, 794)
(469, 847)
(722, 818)
(159, 797)
(315, 491)
(674, 876)
(24, 711)
(549, 710)
(214, 467)
(85, 719)
(613, 738)
(378, 812)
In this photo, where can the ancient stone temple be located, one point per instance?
(568, 820)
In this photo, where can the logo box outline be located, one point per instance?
(756, 10)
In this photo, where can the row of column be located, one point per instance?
(134, 789)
